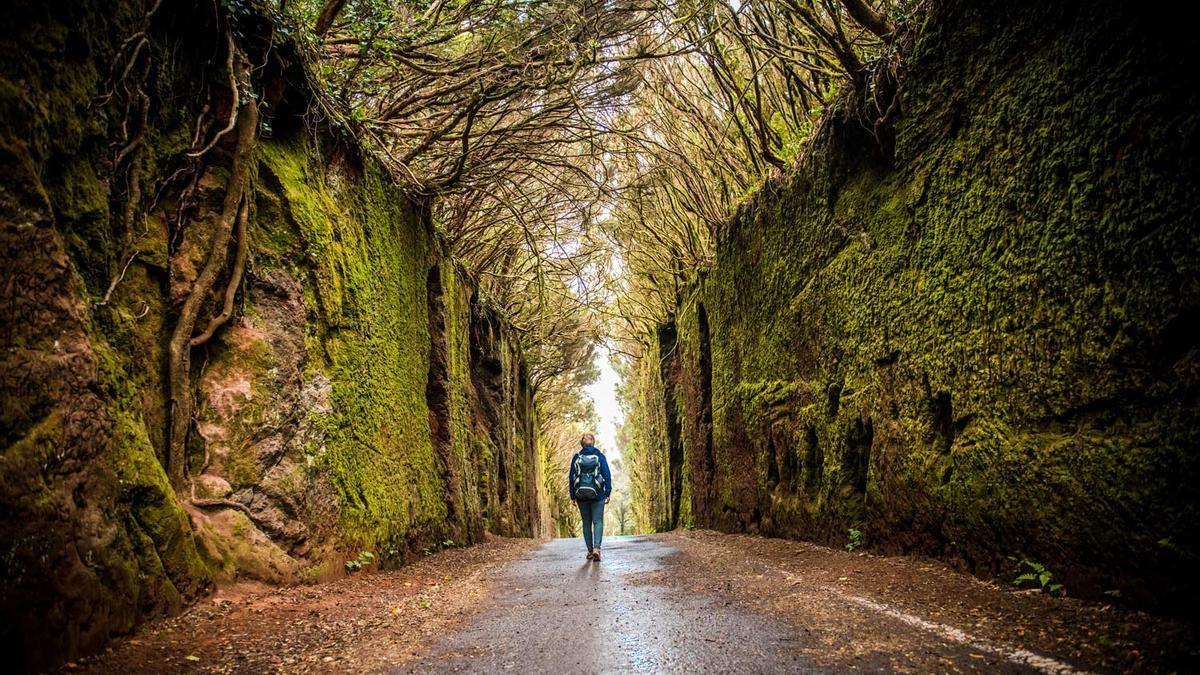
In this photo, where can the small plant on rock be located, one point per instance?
(854, 539)
(364, 559)
(1038, 577)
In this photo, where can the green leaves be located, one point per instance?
(854, 539)
(1038, 577)
(364, 559)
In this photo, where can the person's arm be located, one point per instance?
(571, 479)
(607, 477)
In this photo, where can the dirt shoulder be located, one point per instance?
(365, 622)
(859, 607)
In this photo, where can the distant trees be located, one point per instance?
(564, 414)
(618, 516)
(624, 521)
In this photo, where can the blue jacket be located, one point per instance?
(604, 473)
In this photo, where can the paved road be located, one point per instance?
(694, 602)
(558, 613)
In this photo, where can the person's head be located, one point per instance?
(586, 440)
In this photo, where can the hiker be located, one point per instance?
(591, 485)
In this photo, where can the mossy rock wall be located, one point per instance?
(361, 398)
(984, 348)
(92, 537)
(652, 431)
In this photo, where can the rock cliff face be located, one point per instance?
(360, 398)
(983, 347)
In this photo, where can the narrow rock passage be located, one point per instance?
(563, 614)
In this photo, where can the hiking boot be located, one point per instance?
(590, 555)
(596, 555)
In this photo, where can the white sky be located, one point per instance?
(603, 393)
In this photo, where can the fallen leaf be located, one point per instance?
(192, 657)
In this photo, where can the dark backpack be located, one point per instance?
(589, 484)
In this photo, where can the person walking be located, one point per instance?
(591, 486)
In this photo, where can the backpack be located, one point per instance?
(589, 484)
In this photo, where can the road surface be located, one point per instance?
(560, 613)
(636, 612)
(681, 602)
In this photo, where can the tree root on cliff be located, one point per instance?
(139, 41)
(132, 150)
(234, 105)
(112, 286)
(235, 278)
(179, 351)
(218, 502)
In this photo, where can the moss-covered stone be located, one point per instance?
(318, 403)
(93, 538)
(985, 348)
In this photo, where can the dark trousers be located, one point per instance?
(592, 514)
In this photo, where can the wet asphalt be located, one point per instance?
(555, 612)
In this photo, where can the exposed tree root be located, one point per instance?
(215, 502)
(112, 286)
(179, 351)
(235, 278)
(234, 104)
(218, 502)
(134, 199)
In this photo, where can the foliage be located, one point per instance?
(565, 143)
(1038, 577)
(854, 539)
(497, 111)
(706, 127)
(364, 559)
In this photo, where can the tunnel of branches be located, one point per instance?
(291, 280)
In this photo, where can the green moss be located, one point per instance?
(469, 462)
(978, 351)
(370, 251)
(360, 249)
(152, 504)
(81, 198)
